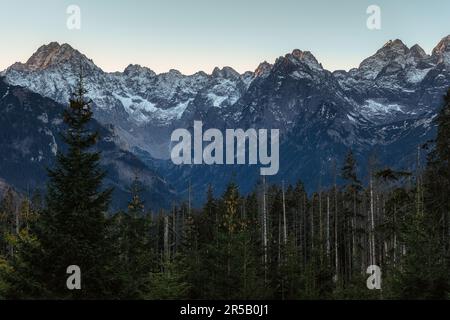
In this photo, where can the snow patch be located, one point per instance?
(215, 99)
(300, 75)
(372, 107)
(416, 75)
(143, 111)
(351, 118)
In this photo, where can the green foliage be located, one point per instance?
(169, 283)
(72, 228)
(133, 241)
(275, 243)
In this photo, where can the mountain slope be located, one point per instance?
(383, 107)
(30, 139)
(144, 107)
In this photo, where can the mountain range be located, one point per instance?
(383, 109)
(30, 127)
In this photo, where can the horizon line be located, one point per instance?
(104, 69)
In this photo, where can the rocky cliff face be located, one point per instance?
(384, 107)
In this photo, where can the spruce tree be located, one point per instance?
(133, 245)
(7, 222)
(437, 176)
(72, 228)
(426, 268)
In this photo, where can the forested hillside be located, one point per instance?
(278, 242)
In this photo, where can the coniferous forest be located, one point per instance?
(278, 242)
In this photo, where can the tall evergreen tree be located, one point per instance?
(425, 271)
(72, 229)
(131, 234)
(437, 176)
(8, 222)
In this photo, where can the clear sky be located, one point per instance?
(193, 35)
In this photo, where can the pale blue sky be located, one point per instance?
(192, 35)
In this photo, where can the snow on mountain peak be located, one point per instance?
(140, 102)
(392, 57)
(136, 70)
(305, 57)
(225, 72)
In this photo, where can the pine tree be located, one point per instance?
(8, 223)
(230, 262)
(425, 269)
(168, 284)
(72, 229)
(131, 233)
(437, 177)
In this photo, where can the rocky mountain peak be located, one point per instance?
(304, 57)
(395, 45)
(394, 53)
(365, 107)
(225, 72)
(417, 52)
(441, 53)
(392, 49)
(136, 70)
(54, 54)
(263, 69)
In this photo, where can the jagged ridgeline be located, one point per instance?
(278, 241)
(275, 243)
(384, 107)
